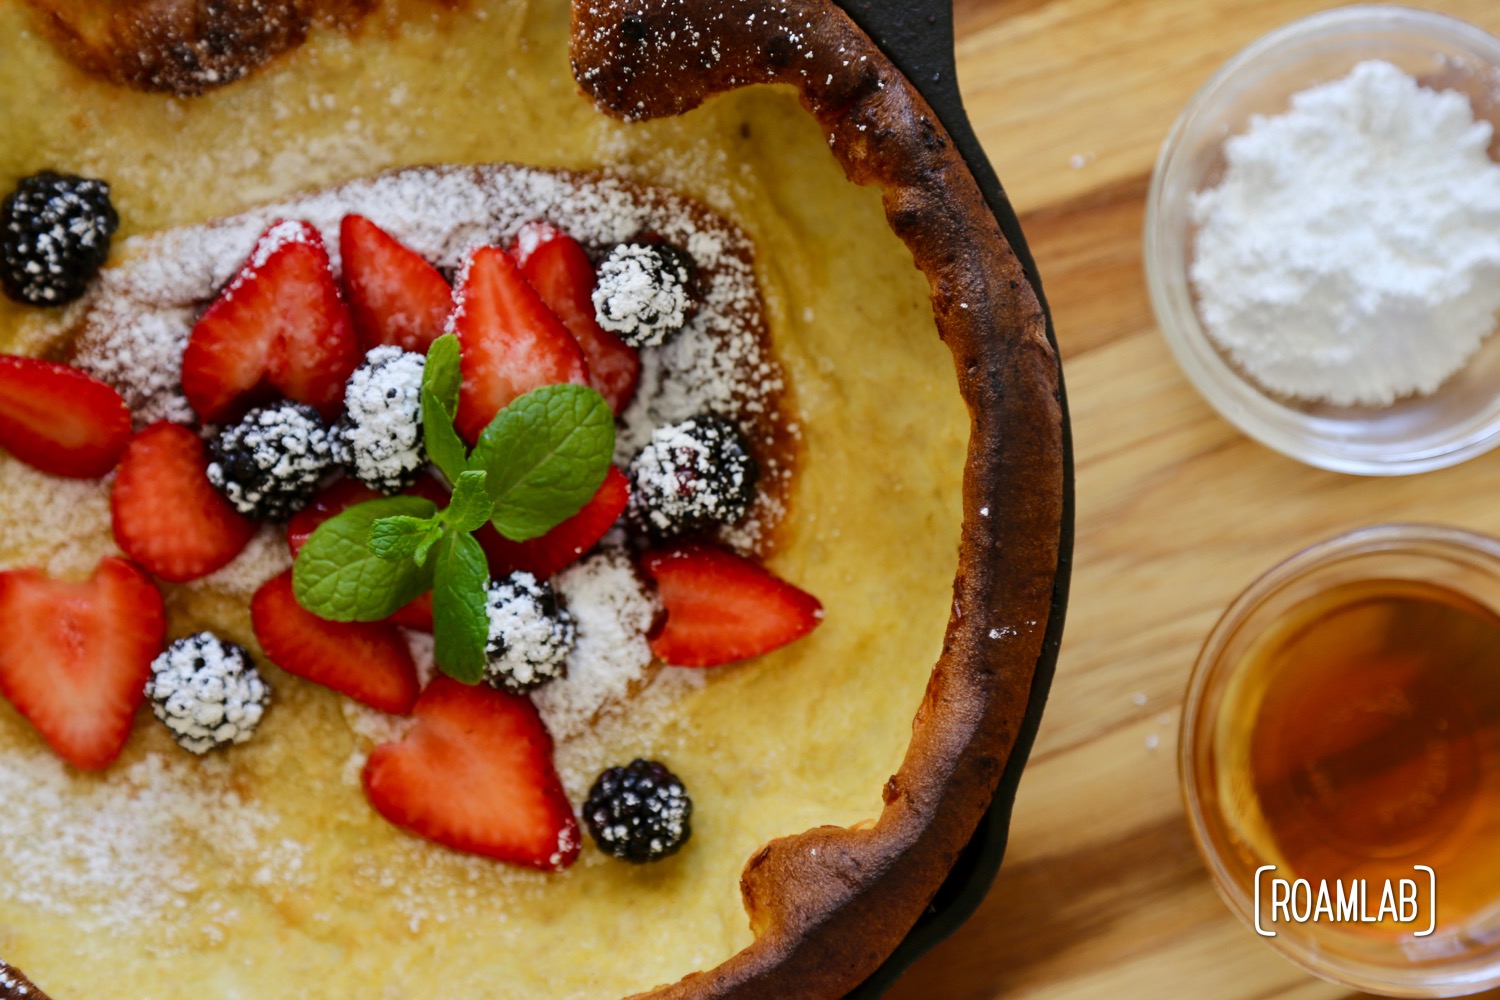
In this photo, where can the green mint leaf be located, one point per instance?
(546, 454)
(460, 612)
(337, 577)
(444, 446)
(393, 538)
(441, 379)
(424, 547)
(442, 374)
(471, 504)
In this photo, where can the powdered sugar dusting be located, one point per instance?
(111, 854)
(612, 611)
(139, 352)
(58, 525)
(266, 556)
(136, 318)
(99, 852)
(580, 759)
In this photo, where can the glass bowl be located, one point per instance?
(1224, 707)
(1415, 434)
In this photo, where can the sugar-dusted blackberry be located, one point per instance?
(531, 634)
(379, 439)
(268, 465)
(692, 475)
(644, 292)
(207, 692)
(639, 813)
(55, 231)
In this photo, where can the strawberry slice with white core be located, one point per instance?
(563, 545)
(57, 419)
(279, 328)
(368, 661)
(512, 343)
(395, 296)
(75, 657)
(475, 774)
(166, 515)
(722, 607)
(562, 274)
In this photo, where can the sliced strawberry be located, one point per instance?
(563, 545)
(511, 341)
(368, 661)
(395, 296)
(75, 657)
(59, 420)
(339, 497)
(279, 327)
(722, 607)
(416, 615)
(476, 774)
(562, 274)
(166, 514)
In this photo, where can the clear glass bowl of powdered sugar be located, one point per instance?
(1323, 240)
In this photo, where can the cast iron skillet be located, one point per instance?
(917, 35)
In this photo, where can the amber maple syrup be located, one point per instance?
(1369, 741)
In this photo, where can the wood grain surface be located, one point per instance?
(1102, 894)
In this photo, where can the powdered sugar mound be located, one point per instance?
(108, 854)
(613, 611)
(266, 556)
(1351, 252)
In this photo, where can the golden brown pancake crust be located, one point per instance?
(185, 47)
(827, 906)
(15, 986)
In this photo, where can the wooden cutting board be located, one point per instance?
(1102, 894)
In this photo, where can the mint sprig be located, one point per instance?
(399, 537)
(441, 382)
(337, 576)
(460, 612)
(537, 463)
(471, 505)
(546, 455)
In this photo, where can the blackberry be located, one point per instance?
(379, 439)
(531, 634)
(645, 292)
(207, 692)
(268, 465)
(692, 475)
(54, 236)
(639, 813)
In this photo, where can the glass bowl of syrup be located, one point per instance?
(1340, 759)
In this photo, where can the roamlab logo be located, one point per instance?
(1407, 901)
